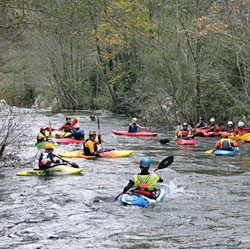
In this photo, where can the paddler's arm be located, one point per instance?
(129, 186)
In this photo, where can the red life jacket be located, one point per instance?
(184, 133)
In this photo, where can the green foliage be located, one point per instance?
(18, 94)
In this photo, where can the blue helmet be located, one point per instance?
(145, 162)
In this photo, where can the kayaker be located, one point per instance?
(144, 182)
(90, 145)
(213, 127)
(134, 126)
(201, 124)
(240, 129)
(47, 158)
(184, 133)
(77, 133)
(66, 127)
(225, 144)
(43, 135)
(230, 127)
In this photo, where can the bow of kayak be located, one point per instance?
(105, 154)
(59, 170)
(135, 134)
(143, 201)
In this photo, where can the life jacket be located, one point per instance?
(41, 137)
(67, 127)
(143, 188)
(230, 129)
(86, 149)
(40, 163)
(201, 125)
(133, 127)
(184, 133)
(150, 181)
(225, 144)
(214, 127)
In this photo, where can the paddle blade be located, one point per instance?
(74, 165)
(165, 162)
(74, 122)
(164, 141)
(209, 151)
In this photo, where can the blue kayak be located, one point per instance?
(226, 152)
(141, 200)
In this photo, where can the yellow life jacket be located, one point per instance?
(150, 180)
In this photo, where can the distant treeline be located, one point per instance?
(162, 61)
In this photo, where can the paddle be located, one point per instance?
(74, 165)
(99, 129)
(74, 122)
(162, 165)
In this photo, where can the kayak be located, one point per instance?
(53, 171)
(141, 200)
(41, 145)
(62, 134)
(247, 140)
(206, 133)
(105, 154)
(68, 141)
(183, 141)
(135, 134)
(226, 152)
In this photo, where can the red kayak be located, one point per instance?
(135, 134)
(247, 140)
(183, 141)
(206, 133)
(68, 141)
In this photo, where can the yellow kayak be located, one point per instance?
(106, 154)
(59, 170)
(62, 134)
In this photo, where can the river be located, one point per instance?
(208, 206)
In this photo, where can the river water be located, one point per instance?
(208, 206)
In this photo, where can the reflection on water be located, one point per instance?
(208, 206)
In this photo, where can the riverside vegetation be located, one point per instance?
(162, 61)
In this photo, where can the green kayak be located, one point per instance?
(41, 145)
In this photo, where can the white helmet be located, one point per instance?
(212, 120)
(77, 126)
(240, 124)
(134, 119)
(230, 123)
